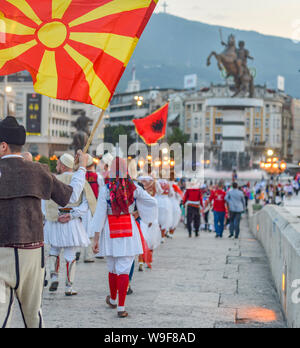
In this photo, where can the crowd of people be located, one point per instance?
(275, 191)
(120, 214)
(225, 203)
(112, 212)
(117, 214)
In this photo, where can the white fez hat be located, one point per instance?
(107, 159)
(90, 160)
(67, 160)
(193, 184)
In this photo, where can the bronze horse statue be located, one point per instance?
(234, 67)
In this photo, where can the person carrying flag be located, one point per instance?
(23, 185)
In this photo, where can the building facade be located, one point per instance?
(295, 109)
(215, 119)
(125, 107)
(49, 122)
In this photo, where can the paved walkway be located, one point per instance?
(204, 282)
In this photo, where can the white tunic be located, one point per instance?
(175, 199)
(165, 208)
(152, 234)
(121, 247)
(71, 234)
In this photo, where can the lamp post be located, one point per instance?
(5, 96)
(6, 90)
(139, 100)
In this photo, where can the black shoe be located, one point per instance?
(53, 286)
(230, 236)
(217, 236)
(129, 291)
(78, 256)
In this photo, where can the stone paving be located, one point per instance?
(195, 283)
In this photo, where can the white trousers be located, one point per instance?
(119, 265)
(69, 253)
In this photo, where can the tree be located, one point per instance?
(178, 136)
(112, 133)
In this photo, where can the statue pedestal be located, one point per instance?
(234, 131)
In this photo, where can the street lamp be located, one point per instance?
(139, 100)
(270, 152)
(8, 89)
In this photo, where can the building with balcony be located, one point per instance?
(238, 131)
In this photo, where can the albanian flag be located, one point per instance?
(73, 49)
(153, 128)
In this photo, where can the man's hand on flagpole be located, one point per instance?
(81, 159)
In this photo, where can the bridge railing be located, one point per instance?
(279, 233)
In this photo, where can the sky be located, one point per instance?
(271, 17)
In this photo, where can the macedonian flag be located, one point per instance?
(153, 127)
(73, 49)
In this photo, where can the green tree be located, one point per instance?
(112, 133)
(178, 136)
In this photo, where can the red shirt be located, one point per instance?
(92, 179)
(193, 195)
(218, 197)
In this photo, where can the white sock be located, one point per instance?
(113, 302)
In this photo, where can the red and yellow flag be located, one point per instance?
(153, 127)
(73, 49)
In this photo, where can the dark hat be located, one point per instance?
(11, 132)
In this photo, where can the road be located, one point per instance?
(195, 283)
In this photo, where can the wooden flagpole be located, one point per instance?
(97, 124)
(86, 148)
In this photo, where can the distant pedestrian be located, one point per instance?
(219, 208)
(236, 202)
(194, 201)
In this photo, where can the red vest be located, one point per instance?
(92, 179)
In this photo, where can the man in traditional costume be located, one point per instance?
(117, 235)
(193, 200)
(23, 185)
(64, 228)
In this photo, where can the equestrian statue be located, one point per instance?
(235, 62)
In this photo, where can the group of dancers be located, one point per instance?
(120, 215)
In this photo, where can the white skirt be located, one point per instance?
(165, 209)
(67, 235)
(120, 247)
(87, 223)
(176, 213)
(152, 235)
